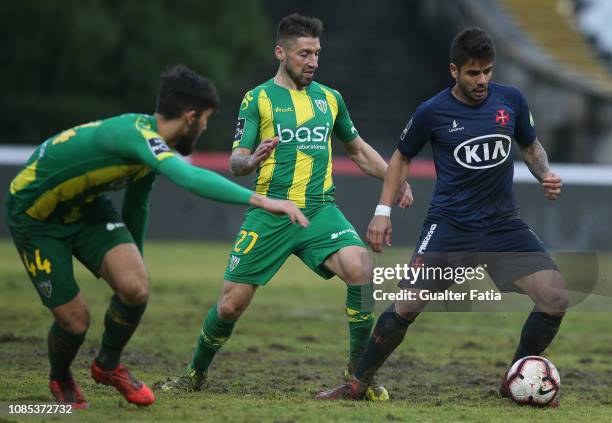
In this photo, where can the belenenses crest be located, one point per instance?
(321, 105)
(45, 288)
(234, 262)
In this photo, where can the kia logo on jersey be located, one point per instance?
(483, 152)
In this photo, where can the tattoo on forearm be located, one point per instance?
(240, 165)
(536, 159)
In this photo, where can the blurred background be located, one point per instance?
(66, 62)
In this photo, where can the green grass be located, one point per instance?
(290, 344)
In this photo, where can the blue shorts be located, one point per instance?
(507, 252)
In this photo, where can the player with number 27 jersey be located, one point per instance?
(284, 133)
(299, 169)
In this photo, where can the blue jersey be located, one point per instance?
(471, 150)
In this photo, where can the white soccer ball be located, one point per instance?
(533, 380)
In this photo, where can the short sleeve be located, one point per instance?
(343, 125)
(416, 133)
(524, 129)
(247, 126)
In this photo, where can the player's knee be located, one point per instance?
(356, 277)
(408, 315)
(230, 310)
(558, 302)
(136, 292)
(555, 302)
(356, 272)
(409, 310)
(74, 321)
(135, 295)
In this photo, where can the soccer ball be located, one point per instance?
(533, 380)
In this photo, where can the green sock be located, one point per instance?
(359, 305)
(120, 322)
(215, 332)
(63, 347)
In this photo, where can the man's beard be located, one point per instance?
(299, 79)
(470, 93)
(186, 143)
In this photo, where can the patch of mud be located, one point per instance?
(11, 337)
(307, 339)
(280, 347)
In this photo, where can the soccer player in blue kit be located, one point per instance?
(473, 214)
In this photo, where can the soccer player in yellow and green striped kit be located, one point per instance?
(56, 207)
(284, 132)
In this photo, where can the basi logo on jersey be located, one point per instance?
(483, 152)
(303, 134)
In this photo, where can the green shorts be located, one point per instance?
(46, 248)
(265, 241)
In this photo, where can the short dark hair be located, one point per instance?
(469, 44)
(181, 90)
(296, 25)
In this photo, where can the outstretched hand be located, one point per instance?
(263, 151)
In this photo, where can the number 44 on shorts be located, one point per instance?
(38, 264)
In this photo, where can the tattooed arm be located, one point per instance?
(536, 160)
(243, 163)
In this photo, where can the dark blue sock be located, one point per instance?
(387, 335)
(538, 332)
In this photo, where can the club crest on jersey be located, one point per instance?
(158, 146)
(502, 117)
(321, 105)
(233, 262)
(45, 288)
(483, 152)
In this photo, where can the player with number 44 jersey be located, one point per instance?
(56, 208)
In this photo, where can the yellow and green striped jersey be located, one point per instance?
(300, 167)
(80, 164)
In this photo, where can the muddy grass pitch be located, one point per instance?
(290, 344)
